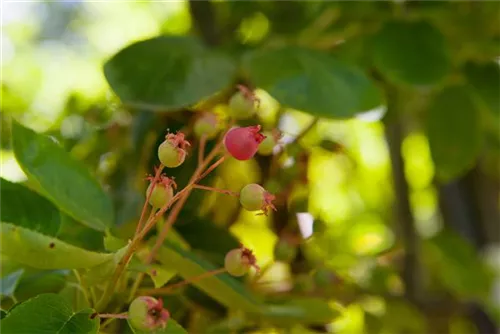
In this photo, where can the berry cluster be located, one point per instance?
(241, 143)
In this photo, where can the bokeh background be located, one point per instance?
(418, 243)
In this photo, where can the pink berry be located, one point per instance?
(206, 125)
(243, 143)
(147, 314)
(253, 197)
(172, 152)
(238, 261)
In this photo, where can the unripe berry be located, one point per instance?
(162, 192)
(172, 152)
(147, 314)
(241, 106)
(268, 144)
(239, 261)
(243, 143)
(206, 125)
(284, 251)
(253, 198)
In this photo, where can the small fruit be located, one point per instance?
(163, 191)
(147, 314)
(239, 261)
(253, 198)
(240, 107)
(243, 143)
(172, 152)
(206, 125)
(268, 144)
(284, 251)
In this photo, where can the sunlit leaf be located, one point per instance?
(63, 180)
(411, 52)
(48, 314)
(167, 73)
(312, 82)
(23, 207)
(454, 131)
(43, 252)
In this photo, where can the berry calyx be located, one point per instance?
(172, 152)
(243, 104)
(206, 125)
(147, 313)
(253, 197)
(163, 191)
(243, 143)
(239, 261)
(268, 144)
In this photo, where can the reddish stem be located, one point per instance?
(148, 196)
(222, 191)
(112, 315)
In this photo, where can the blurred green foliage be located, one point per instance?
(390, 198)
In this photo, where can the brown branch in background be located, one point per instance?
(394, 135)
(203, 15)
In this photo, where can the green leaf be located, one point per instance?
(222, 287)
(160, 275)
(411, 52)
(454, 132)
(301, 310)
(103, 271)
(3, 314)
(80, 235)
(9, 282)
(40, 251)
(172, 328)
(458, 266)
(48, 313)
(312, 82)
(233, 294)
(168, 73)
(485, 82)
(63, 180)
(35, 282)
(24, 207)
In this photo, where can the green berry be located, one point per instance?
(238, 261)
(147, 313)
(253, 198)
(267, 146)
(233, 263)
(172, 152)
(284, 251)
(241, 106)
(161, 194)
(206, 125)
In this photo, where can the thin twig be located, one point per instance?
(201, 149)
(222, 191)
(166, 290)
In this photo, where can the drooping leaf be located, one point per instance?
(80, 235)
(312, 82)
(160, 275)
(167, 73)
(103, 271)
(9, 282)
(62, 179)
(172, 328)
(23, 207)
(48, 313)
(411, 52)
(44, 252)
(454, 131)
